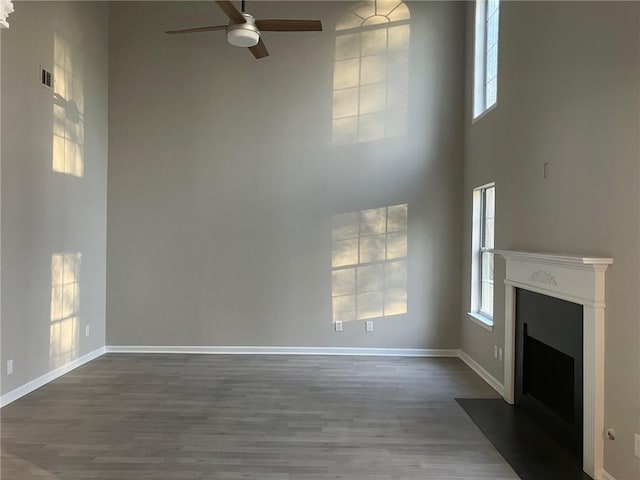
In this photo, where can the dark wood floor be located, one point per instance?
(130, 417)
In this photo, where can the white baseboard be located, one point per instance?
(606, 476)
(29, 387)
(252, 350)
(486, 376)
(36, 383)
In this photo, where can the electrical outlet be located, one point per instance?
(495, 352)
(87, 330)
(10, 367)
(636, 445)
(500, 354)
(368, 326)
(338, 326)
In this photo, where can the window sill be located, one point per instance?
(482, 320)
(482, 114)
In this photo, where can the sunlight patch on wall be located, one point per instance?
(65, 306)
(371, 72)
(68, 108)
(369, 267)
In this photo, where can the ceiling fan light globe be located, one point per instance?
(241, 37)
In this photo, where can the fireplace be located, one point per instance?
(580, 281)
(548, 370)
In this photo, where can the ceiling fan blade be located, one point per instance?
(198, 29)
(289, 25)
(232, 12)
(259, 50)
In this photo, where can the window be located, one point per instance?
(486, 56)
(484, 199)
(369, 266)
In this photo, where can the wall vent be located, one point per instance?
(46, 78)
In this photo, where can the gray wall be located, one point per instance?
(568, 95)
(223, 181)
(53, 217)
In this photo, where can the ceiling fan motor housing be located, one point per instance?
(243, 34)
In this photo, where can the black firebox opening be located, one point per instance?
(549, 377)
(549, 365)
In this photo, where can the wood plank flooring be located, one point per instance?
(206, 417)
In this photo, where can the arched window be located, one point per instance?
(371, 72)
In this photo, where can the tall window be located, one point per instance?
(484, 199)
(486, 56)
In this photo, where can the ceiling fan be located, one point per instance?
(244, 31)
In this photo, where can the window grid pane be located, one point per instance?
(487, 267)
(483, 203)
(492, 63)
(492, 92)
(491, 53)
(486, 307)
(488, 233)
(492, 7)
(492, 31)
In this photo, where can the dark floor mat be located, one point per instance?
(530, 451)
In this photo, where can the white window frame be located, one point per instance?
(475, 313)
(480, 104)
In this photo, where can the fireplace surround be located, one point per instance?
(548, 376)
(576, 279)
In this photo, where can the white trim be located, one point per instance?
(484, 113)
(29, 387)
(482, 320)
(276, 350)
(486, 185)
(606, 476)
(42, 380)
(563, 296)
(579, 279)
(486, 376)
(554, 258)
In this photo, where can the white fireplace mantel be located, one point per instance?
(580, 280)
